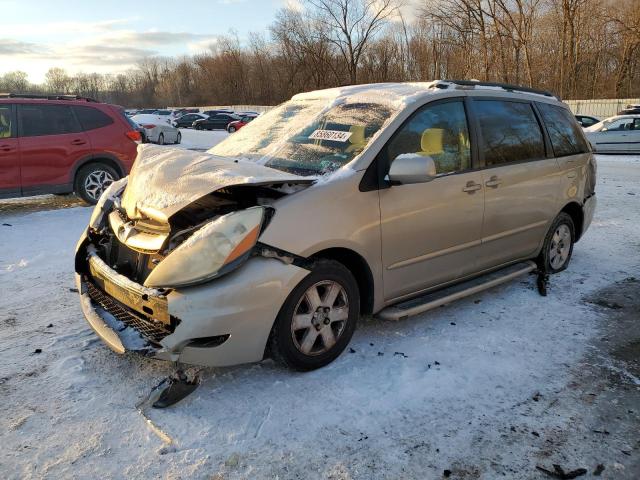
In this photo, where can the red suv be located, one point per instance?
(63, 144)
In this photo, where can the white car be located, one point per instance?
(158, 128)
(619, 134)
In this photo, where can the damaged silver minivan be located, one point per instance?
(384, 199)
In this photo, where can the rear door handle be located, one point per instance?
(471, 187)
(493, 182)
(78, 141)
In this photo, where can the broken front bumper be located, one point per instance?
(220, 323)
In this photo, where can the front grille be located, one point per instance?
(152, 331)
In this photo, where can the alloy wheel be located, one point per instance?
(560, 246)
(96, 183)
(320, 318)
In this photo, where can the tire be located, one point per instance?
(306, 348)
(92, 180)
(178, 138)
(231, 129)
(161, 139)
(558, 245)
(198, 127)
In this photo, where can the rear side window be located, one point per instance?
(5, 121)
(564, 132)
(510, 131)
(92, 118)
(37, 120)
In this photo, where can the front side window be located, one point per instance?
(37, 120)
(510, 131)
(308, 136)
(5, 121)
(565, 134)
(438, 131)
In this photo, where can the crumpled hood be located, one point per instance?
(165, 180)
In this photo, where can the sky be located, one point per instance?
(110, 36)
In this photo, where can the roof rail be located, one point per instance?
(505, 86)
(47, 97)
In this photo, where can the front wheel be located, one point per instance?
(178, 138)
(318, 319)
(231, 129)
(558, 245)
(161, 139)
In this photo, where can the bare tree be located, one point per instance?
(351, 24)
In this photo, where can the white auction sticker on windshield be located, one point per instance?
(333, 135)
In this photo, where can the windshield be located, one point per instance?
(307, 137)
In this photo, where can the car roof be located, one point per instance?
(407, 93)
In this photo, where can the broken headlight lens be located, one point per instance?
(217, 248)
(98, 213)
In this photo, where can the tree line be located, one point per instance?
(578, 49)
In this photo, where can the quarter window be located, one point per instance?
(438, 131)
(564, 132)
(92, 118)
(39, 120)
(5, 121)
(510, 131)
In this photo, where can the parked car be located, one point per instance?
(158, 129)
(630, 109)
(63, 144)
(619, 134)
(586, 120)
(218, 121)
(186, 121)
(395, 199)
(238, 124)
(221, 110)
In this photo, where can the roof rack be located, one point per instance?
(505, 86)
(47, 97)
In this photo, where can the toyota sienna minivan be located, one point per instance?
(382, 199)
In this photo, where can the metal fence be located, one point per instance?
(235, 108)
(600, 108)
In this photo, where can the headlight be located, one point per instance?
(217, 248)
(111, 191)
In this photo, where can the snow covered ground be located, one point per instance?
(489, 387)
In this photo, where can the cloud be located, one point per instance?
(101, 46)
(16, 47)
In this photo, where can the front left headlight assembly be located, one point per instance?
(217, 248)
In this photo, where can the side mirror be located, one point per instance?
(409, 168)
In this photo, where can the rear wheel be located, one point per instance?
(318, 319)
(232, 129)
(558, 245)
(179, 138)
(92, 180)
(161, 139)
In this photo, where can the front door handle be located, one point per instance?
(493, 182)
(6, 148)
(78, 141)
(471, 187)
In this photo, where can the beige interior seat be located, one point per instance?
(357, 138)
(431, 142)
